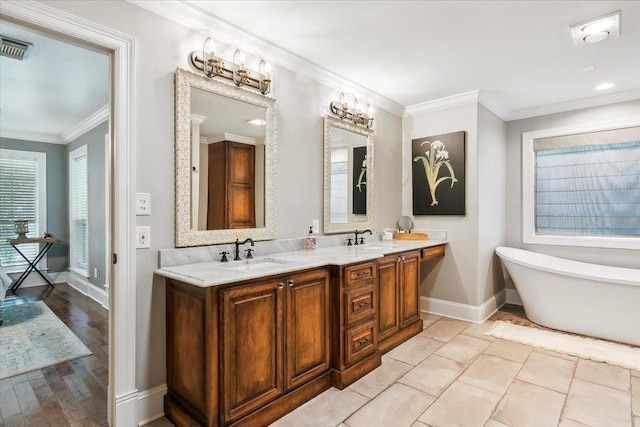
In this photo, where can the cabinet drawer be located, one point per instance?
(360, 303)
(360, 342)
(357, 275)
(433, 252)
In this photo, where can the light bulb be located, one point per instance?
(370, 111)
(241, 58)
(209, 46)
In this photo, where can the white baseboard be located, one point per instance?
(126, 409)
(83, 286)
(151, 404)
(513, 297)
(34, 279)
(456, 310)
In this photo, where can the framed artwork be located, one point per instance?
(438, 174)
(359, 179)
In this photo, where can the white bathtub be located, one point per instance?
(572, 296)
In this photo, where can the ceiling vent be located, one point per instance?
(13, 48)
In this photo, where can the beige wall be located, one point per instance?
(161, 46)
(470, 272)
(615, 257)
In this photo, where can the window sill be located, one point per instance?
(584, 241)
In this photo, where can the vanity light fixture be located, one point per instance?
(357, 114)
(597, 29)
(214, 66)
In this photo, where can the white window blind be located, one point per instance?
(339, 185)
(78, 218)
(22, 197)
(589, 190)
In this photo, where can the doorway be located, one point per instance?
(122, 393)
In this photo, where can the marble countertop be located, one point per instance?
(213, 273)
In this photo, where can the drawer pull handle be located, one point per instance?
(363, 342)
(362, 305)
(290, 282)
(280, 285)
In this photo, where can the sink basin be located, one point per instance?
(378, 247)
(253, 264)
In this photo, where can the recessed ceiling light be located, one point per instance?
(257, 122)
(605, 86)
(588, 68)
(597, 29)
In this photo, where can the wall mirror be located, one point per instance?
(348, 176)
(225, 162)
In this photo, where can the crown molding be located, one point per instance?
(492, 104)
(87, 124)
(196, 18)
(32, 136)
(445, 103)
(577, 104)
(79, 129)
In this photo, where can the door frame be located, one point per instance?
(122, 391)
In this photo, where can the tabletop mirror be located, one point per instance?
(225, 162)
(348, 176)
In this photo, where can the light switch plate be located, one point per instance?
(143, 237)
(143, 204)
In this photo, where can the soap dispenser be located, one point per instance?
(310, 241)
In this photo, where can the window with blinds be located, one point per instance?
(582, 189)
(78, 212)
(339, 185)
(22, 197)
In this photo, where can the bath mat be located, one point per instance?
(32, 338)
(586, 348)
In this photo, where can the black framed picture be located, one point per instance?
(359, 180)
(438, 174)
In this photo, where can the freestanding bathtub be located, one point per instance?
(572, 296)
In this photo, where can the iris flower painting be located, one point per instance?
(438, 175)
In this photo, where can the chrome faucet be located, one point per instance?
(238, 244)
(361, 242)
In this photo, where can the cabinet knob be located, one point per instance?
(399, 259)
(280, 285)
(402, 257)
(290, 282)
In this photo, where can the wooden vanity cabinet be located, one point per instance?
(355, 326)
(247, 354)
(399, 299)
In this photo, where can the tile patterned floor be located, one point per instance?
(453, 375)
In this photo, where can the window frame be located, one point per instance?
(41, 200)
(529, 235)
(74, 264)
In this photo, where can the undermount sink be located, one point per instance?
(378, 247)
(253, 264)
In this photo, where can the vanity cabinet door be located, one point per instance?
(308, 327)
(252, 346)
(388, 304)
(409, 288)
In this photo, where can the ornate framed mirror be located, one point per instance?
(348, 176)
(225, 162)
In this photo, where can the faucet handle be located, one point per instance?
(349, 242)
(249, 253)
(362, 240)
(224, 257)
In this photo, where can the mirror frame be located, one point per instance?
(328, 227)
(185, 235)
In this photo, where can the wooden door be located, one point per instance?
(307, 325)
(388, 315)
(252, 328)
(409, 288)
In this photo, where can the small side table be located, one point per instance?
(48, 242)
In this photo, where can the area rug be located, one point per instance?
(586, 348)
(32, 338)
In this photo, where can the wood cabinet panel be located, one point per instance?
(308, 322)
(388, 309)
(358, 275)
(409, 288)
(360, 303)
(252, 347)
(433, 252)
(360, 342)
(231, 186)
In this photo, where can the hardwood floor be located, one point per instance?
(73, 393)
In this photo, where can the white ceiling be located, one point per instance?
(53, 91)
(411, 52)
